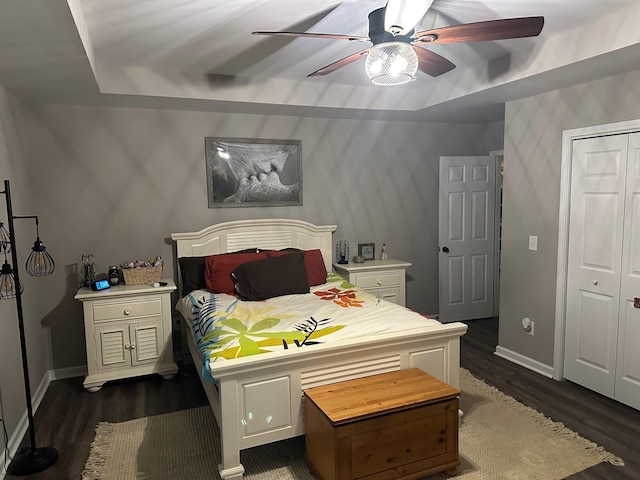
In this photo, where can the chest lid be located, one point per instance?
(379, 394)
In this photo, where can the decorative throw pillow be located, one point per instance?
(313, 261)
(272, 277)
(192, 274)
(219, 267)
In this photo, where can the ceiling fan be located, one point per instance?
(395, 56)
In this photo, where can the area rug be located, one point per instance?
(500, 438)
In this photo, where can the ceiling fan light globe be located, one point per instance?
(376, 67)
(391, 63)
(398, 65)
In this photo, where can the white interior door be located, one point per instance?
(627, 387)
(595, 254)
(466, 234)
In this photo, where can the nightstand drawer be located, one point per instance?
(382, 278)
(378, 280)
(105, 311)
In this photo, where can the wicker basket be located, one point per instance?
(141, 275)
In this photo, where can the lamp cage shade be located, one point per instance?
(391, 63)
(39, 263)
(8, 287)
(5, 238)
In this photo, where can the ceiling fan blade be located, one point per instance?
(431, 63)
(502, 29)
(343, 62)
(353, 38)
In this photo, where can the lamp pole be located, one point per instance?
(31, 459)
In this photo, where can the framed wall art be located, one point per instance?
(250, 172)
(367, 250)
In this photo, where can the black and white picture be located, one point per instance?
(245, 172)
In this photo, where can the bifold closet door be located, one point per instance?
(596, 220)
(627, 388)
(602, 334)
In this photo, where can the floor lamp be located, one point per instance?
(30, 459)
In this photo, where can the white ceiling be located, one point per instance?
(200, 54)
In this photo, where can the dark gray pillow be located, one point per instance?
(271, 277)
(192, 274)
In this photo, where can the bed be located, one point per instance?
(258, 399)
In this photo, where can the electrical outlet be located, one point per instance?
(533, 243)
(532, 329)
(528, 325)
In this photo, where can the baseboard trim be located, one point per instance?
(524, 361)
(23, 425)
(69, 372)
(21, 429)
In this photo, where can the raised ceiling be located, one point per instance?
(200, 54)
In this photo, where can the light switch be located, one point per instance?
(533, 242)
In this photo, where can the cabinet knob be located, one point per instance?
(127, 311)
(133, 346)
(595, 282)
(379, 282)
(127, 346)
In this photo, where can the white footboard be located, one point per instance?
(260, 400)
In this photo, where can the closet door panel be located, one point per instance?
(627, 388)
(594, 261)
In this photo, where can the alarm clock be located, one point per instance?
(98, 285)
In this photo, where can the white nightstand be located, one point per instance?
(128, 332)
(383, 278)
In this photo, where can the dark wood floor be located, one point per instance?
(67, 416)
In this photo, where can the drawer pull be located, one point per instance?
(379, 282)
(127, 311)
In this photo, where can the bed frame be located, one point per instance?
(259, 399)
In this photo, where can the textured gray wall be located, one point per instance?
(118, 182)
(533, 154)
(12, 168)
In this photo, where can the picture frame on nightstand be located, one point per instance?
(367, 251)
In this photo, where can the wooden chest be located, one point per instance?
(398, 425)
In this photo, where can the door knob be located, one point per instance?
(445, 249)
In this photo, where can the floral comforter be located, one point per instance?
(225, 327)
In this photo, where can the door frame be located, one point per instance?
(568, 137)
(498, 156)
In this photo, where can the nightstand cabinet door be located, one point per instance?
(126, 345)
(128, 333)
(111, 347)
(383, 278)
(146, 343)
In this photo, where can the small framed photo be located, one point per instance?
(367, 250)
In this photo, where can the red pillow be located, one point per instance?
(218, 270)
(313, 262)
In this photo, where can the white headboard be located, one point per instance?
(273, 234)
